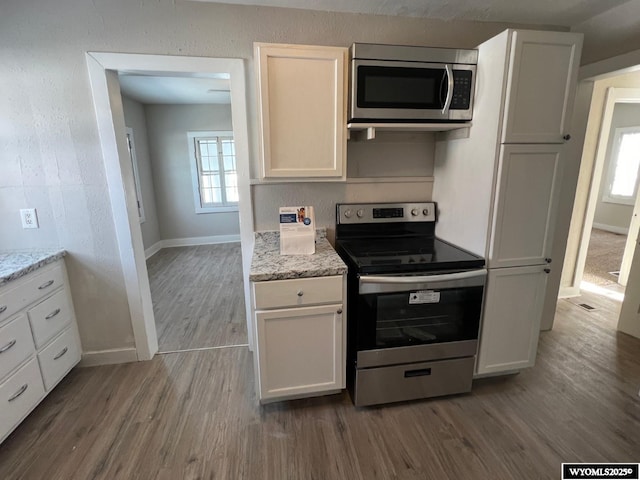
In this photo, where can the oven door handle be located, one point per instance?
(397, 283)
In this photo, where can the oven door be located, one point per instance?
(402, 319)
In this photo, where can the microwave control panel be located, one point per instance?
(462, 84)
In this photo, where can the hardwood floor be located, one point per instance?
(198, 296)
(193, 415)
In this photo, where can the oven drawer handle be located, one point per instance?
(444, 277)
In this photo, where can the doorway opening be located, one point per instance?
(604, 230)
(104, 69)
(185, 167)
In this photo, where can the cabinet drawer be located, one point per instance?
(16, 344)
(14, 298)
(18, 395)
(58, 358)
(298, 292)
(49, 317)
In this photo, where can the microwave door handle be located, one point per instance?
(447, 102)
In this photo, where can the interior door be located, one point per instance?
(528, 188)
(629, 321)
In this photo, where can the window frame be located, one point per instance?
(194, 163)
(607, 196)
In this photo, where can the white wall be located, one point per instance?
(609, 214)
(171, 159)
(134, 117)
(50, 151)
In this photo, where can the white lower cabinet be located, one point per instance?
(511, 319)
(39, 342)
(300, 350)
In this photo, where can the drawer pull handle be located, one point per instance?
(7, 346)
(3, 308)
(61, 354)
(423, 372)
(23, 389)
(52, 314)
(45, 285)
(300, 293)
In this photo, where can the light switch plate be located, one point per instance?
(29, 218)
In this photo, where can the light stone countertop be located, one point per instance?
(268, 264)
(14, 265)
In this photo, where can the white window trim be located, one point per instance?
(195, 178)
(136, 174)
(608, 197)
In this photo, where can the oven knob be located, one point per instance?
(415, 212)
(360, 213)
(347, 213)
(425, 212)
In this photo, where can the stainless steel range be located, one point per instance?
(414, 304)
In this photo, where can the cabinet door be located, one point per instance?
(527, 191)
(302, 98)
(511, 319)
(542, 75)
(299, 351)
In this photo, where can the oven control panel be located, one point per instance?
(385, 212)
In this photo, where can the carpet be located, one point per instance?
(603, 256)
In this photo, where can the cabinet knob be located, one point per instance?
(548, 260)
(567, 137)
(339, 312)
(2, 308)
(547, 270)
(300, 293)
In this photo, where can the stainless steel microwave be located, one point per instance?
(393, 83)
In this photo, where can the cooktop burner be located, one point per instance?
(406, 254)
(396, 238)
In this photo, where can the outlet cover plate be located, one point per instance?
(29, 218)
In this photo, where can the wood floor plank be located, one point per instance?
(198, 296)
(194, 415)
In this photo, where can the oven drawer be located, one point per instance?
(412, 381)
(298, 292)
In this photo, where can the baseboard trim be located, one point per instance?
(153, 249)
(189, 242)
(611, 228)
(568, 292)
(108, 357)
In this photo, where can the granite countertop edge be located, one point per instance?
(17, 264)
(267, 264)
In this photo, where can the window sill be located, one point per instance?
(202, 210)
(630, 201)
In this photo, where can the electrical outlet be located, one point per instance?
(29, 218)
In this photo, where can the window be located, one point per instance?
(136, 174)
(622, 179)
(214, 174)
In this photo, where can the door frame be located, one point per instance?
(103, 68)
(613, 96)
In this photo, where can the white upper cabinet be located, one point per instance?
(526, 202)
(541, 80)
(302, 111)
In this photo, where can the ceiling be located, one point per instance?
(566, 13)
(151, 89)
